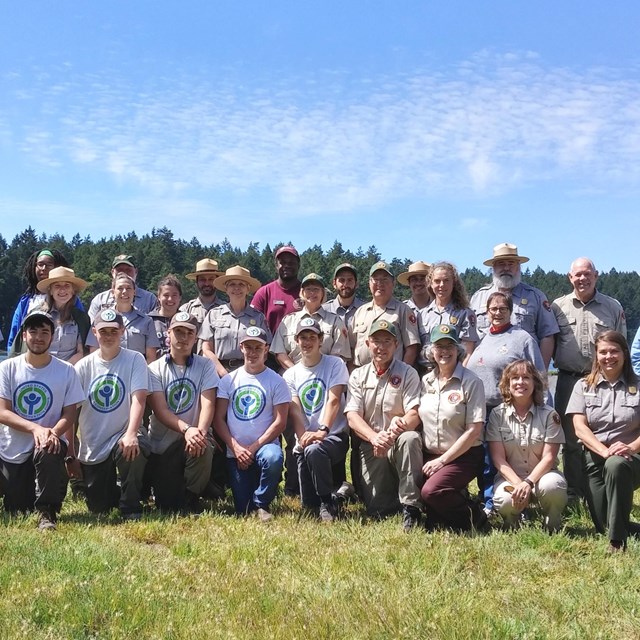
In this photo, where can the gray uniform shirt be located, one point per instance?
(144, 301)
(612, 411)
(580, 323)
(531, 311)
(224, 328)
(344, 313)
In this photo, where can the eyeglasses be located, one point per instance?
(498, 309)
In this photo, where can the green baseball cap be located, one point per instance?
(345, 266)
(381, 266)
(444, 332)
(383, 325)
(313, 277)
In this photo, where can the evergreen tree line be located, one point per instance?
(159, 253)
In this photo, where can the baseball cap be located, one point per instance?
(444, 332)
(123, 258)
(343, 267)
(381, 266)
(312, 277)
(288, 249)
(108, 318)
(36, 317)
(308, 324)
(254, 333)
(384, 325)
(184, 319)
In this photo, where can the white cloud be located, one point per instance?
(338, 143)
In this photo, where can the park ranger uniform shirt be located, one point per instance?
(395, 312)
(580, 323)
(344, 313)
(144, 301)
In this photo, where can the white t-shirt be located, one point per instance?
(251, 403)
(182, 387)
(311, 386)
(38, 395)
(104, 415)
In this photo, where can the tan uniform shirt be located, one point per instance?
(612, 411)
(379, 399)
(334, 343)
(446, 410)
(524, 440)
(224, 328)
(397, 313)
(579, 324)
(197, 309)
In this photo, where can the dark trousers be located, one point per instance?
(572, 463)
(39, 483)
(103, 493)
(445, 492)
(611, 483)
(316, 468)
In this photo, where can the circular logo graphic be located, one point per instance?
(312, 394)
(181, 396)
(32, 400)
(106, 393)
(454, 397)
(383, 324)
(183, 316)
(248, 402)
(395, 381)
(108, 315)
(307, 322)
(253, 332)
(444, 328)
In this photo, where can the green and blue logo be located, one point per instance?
(248, 402)
(32, 400)
(106, 393)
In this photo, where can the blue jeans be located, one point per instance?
(256, 486)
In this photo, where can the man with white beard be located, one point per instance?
(531, 309)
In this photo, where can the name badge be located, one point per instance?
(278, 302)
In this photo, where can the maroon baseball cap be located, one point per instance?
(288, 249)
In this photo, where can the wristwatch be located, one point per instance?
(69, 459)
(323, 427)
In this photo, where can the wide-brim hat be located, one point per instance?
(505, 251)
(237, 273)
(419, 268)
(205, 266)
(62, 274)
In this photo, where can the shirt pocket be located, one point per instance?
(525, 319)
(631, 400)
(68, 337)
(506, 435)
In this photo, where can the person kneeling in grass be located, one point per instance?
(317, 384)
(251, 413)
(183, 400)
(112, 440)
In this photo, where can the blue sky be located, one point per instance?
(432, 130)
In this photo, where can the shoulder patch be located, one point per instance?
(546, 305)
(555, 417)
(472, 319)
(412, 318)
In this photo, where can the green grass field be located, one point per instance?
(217, 576)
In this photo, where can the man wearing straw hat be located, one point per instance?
(416, 279)
(224, 325)
(144, 301)
(205, 276)
(531, 309)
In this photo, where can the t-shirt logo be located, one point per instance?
(32, 400)
(106, 393)
(248, 402)
(180, 395)
(312, 394)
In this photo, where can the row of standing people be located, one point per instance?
(580, 314)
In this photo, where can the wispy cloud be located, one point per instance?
(335, 142)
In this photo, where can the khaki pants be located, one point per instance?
(392, 481)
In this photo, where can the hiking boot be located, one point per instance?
(346, 492)
(410, 518)
(47, 521)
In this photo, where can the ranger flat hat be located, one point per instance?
(62, 274)
(237, 273)
(419, 268)
(505, 251)
(206, 265)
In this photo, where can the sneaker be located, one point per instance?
(346, 492)
(47, 521)
(263, 515)
(410, 518)
(616, 546)
(328, 512)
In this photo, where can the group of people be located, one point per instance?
(144, 395)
